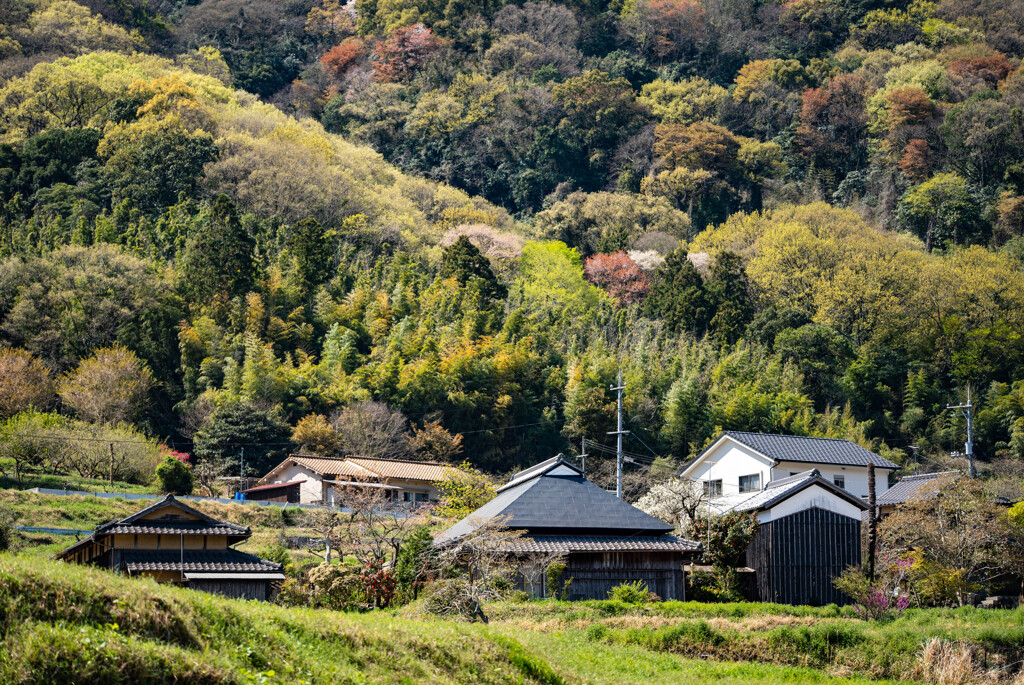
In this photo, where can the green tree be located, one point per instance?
(678, 296)
(241, 435)
(219, 261)
(942, 210)
(462, 261)
(174, 476)
(728, 294)
(821, 354)
(312, 248)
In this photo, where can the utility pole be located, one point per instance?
(619, 387)
(110, 471)
(967, 411)
(241, 471)
(872, 521)
(583, 456)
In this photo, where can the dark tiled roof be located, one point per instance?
(228, 560)
(605, 543)
(542, 502)
(811, 450)
(171, 528)
(781, 490)
(170, 500)
(908, 487)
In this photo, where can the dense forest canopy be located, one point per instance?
(460, 220)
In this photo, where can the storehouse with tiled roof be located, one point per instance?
(911, 487)
(737, 462)
(174, 543)
(809, 533)
(605, 540)
(323, 480)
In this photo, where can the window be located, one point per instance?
(421, 497)
(713, 488)
(840, 481)
(750, 483)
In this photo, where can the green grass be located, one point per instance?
(64, 623)
(64, 482)
(829, 639)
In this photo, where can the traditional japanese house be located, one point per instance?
(809, 533)
(174, 543)
(605, 540)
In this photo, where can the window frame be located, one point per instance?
(713, 488)
(839, 480)
(756, 477)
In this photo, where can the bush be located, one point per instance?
(336, 586)
(449, 597)
(631, 593)
(174, 476)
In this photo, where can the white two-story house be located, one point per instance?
(740, 462)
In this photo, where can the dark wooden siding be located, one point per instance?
(595, 573)
(797, 556)
(239, 589)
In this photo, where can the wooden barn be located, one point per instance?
(605, 541)
(174, 543)
(809, 533)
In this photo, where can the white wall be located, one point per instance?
(727, 462)
(310, 492)
(856, 476)
(811, 498)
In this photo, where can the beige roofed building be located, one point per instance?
(323, 478)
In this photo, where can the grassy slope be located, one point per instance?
(83, 512)
(829, 639)
(70, 624)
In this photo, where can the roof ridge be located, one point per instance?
(405, 461)
(785, 435)
(921, 476)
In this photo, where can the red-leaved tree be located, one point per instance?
(619, 276)
(338, 60)
(406, 49)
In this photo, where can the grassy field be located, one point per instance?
(598, 641)
(71, 624)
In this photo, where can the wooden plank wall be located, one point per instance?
(595, 573)
(796, 557)
(239, 589)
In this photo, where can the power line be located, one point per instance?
(502, 428)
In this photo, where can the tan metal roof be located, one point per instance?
(333, 466)
(404, 468)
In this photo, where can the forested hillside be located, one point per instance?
(454, 222)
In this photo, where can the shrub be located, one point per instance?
(597, 632)
(878, 600)
(335, 586)
(174, 476)
(450, 597)
(635, 592)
